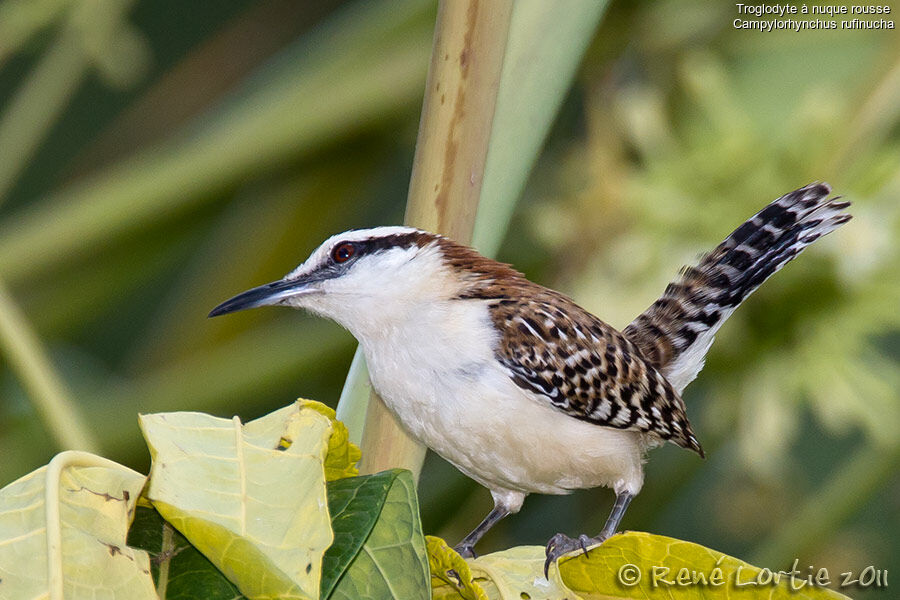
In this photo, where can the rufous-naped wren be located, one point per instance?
(513, 383)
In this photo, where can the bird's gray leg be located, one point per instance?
(466, 547)
(615, 516)
(561, 544)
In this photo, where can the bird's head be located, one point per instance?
(371, 277)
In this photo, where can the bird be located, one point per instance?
(515, 384)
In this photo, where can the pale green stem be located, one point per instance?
(445, 188)
(545, 46)
(38, 103)
(354, 401)
(28, 360)
(315, 99)
(21, 20)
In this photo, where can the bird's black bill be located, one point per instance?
(264, 295)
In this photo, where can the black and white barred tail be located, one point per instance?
(675, 333)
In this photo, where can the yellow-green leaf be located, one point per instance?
(250, 497)
(641, 565)
(451, 578)
(342, 454)
(628, 566)
(78, 507)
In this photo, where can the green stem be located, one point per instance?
(37, 105)
(308, 102)
(354, 401)
(29, 361)
(22, 20)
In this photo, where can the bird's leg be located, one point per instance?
(561, 544)
(466, 548)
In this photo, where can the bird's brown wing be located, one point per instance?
(584, 367)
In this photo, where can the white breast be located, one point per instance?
(438, 374)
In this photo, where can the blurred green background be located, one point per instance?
(158, 157)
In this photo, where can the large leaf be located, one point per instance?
(639, 565)
(63, 529)
(633, 565)
(250, 497)
(379, 550)
(180, 571)
(517, 573)
(354, 504)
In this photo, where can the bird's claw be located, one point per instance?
(561, 544)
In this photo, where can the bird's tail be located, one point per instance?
(675, 333)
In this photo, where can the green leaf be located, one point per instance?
(81, 505)
(379, 550)
(623, 567)
(514, 573)
(638, 565)
(354, 504)
(180, 571)
(250, 497)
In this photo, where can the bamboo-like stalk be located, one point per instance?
(542, 44)
(448, 170)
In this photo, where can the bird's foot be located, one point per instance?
(465, 550)
(561, 544)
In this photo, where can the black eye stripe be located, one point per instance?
(378, 244)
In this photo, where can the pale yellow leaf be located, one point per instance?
(63, 530)
(517, 573)
(251, 496)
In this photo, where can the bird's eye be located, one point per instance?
(343, 252)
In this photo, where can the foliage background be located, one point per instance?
(158, 157)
